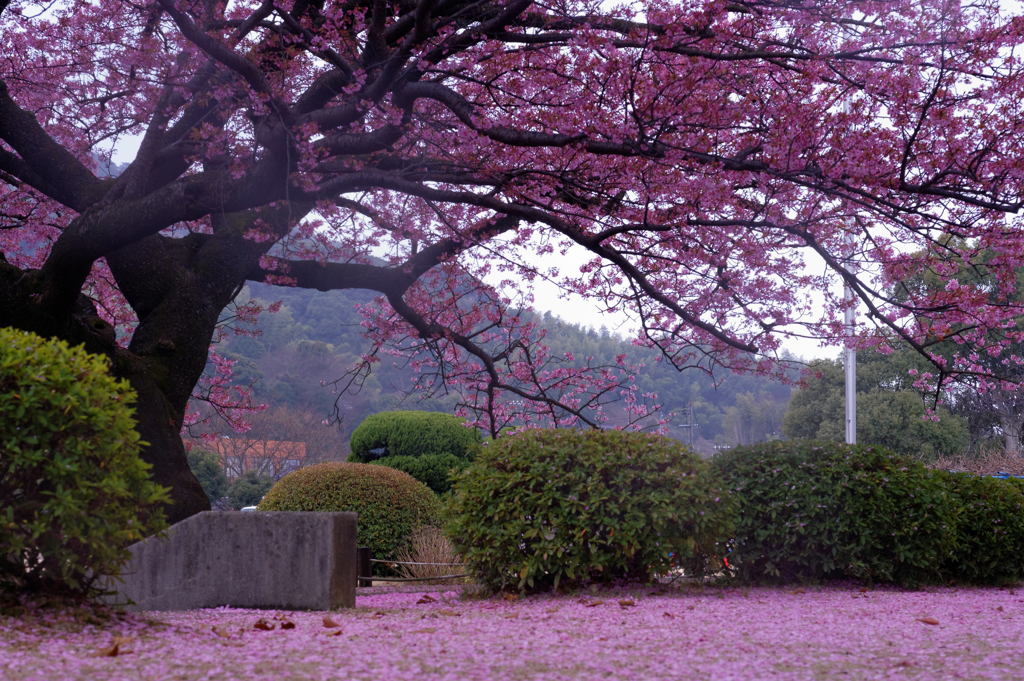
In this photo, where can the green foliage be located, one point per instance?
(249, 489)
(390, 503)
(205, 465)
(824, 510)
(990, 529)
(73, 491)
(433, 470)
(411, 433)
(545, 507)
(890, 413)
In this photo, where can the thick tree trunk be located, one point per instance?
(159, 424)
(159, 421)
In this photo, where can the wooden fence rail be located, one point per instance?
(365, 561)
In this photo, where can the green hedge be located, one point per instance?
(390, 503)
(73, 491)
(990, 529)
(433, 470)
(545, 507)
(411, 433)
(824, 510)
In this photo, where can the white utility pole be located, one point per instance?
(850, 356)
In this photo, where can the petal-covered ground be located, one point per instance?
(709, 633)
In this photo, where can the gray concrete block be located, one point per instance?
(290, 561)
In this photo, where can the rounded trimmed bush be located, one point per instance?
(73, 491)
(990, 529)
(433, 470)
(426, 445)
(411, 433)
(545, 507)
(391, 504)
(825, 510)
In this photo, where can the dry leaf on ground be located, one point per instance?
(114, 649)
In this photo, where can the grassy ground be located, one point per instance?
(666, 633)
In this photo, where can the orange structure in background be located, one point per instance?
(271, 457)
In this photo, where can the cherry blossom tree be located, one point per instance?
(711, 156)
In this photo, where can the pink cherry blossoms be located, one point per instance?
(723, 164)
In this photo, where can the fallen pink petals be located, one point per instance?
(723, 634)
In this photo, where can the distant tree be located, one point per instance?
(889, 411)
(205, 465)
(753, 419)
(249, 489)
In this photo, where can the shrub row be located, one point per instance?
(537, 509)
(812, 511)
(545, 507)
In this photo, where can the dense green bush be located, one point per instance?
(822, 510)
(545, 507)
(433, 470)
(73, 491)
(390, 503)
(426, 445)
(205, 465)
(411, 433)
(249, 489)
(990, 529)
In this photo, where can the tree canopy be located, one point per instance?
(890, 411)
(699, 151)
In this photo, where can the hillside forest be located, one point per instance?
(293, 359)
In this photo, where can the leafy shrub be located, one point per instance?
(822, 510)
(205, 465)
(390, 503)
(248, 489)
(433, 470)
(73, 491)
(544, 507)
(411, 433)
(990, 529)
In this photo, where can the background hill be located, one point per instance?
(316, 335)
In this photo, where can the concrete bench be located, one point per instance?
(289, 561)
